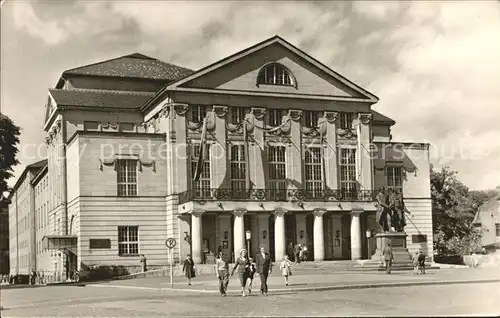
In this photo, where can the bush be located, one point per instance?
(449, 259)
(102, 272)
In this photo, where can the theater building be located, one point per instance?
(293, 153)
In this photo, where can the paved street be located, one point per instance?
(150, 297)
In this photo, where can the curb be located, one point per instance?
(317, 288)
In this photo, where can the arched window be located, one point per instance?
(275, 74)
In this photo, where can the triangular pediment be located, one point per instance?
(240, 72)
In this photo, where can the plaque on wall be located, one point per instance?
(337, 242)
(225, 244)
(99, 243)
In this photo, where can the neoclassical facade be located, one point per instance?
(293, 153)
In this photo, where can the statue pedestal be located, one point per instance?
(398, 243)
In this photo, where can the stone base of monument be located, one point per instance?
(402, 258)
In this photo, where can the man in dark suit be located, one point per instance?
(264, 267)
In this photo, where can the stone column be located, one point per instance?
(355, 235)
(255, 149)
(330, 138)
(196, 233)
(180, 154)
(219, 162)
(365, 173)
(279, 234)
(319, 239)
(294, 149)
(239, 231)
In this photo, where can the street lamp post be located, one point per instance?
(248, 235)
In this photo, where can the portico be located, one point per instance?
(328, 234)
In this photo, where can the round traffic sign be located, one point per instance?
(170, 242)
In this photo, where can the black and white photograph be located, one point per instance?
(249, 158)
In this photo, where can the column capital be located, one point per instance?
(331, 117)
(239, 212)
(319, 212)
(220, 110)
(278, 212)
(365, 118)
(356, 212)
(258, 112)
(295, 114)
(197, 213)
(180, 109)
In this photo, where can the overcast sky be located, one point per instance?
(435, 66)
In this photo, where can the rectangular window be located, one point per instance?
(394, 178)
(127, 127)
(311, 118)
(497, 226)
(314, 172)
(348, 171)
(346, 120)
(100, 243)
(202, 186)
(275, 116)
(90, 125)
(126, 171)
(128, 240)
(198, 113)
(238, 114)
(419, 238)
(277, 173)
(238, 171)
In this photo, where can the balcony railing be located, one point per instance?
(221, 194)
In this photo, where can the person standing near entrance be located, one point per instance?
(388, 257)
(144, 263)
(264, 268)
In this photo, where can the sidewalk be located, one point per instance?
(316, 281)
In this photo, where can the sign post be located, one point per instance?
(170, 244)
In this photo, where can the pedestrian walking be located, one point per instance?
(286, 269)
(388, 258)
(144, 263)
(264, 267)
(421, 262)
(415, 263)
(188, 268)
(251, 275)
(242, 264)
(222, 273)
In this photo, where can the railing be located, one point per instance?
(221, 194)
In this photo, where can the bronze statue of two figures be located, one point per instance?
(390, 210)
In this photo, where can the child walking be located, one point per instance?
(285, 268)
(251, 272)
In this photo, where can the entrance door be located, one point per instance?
(310, 236)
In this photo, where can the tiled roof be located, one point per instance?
(133, 66)
(378, 117)
(100, 98)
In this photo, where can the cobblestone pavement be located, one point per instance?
(319, 278)
(72, 301)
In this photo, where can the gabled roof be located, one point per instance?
(379, 118)
(100, 98)
(32, 167)
(133, 66)
(367, 96)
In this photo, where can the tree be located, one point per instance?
(453, 210)
(9, 140)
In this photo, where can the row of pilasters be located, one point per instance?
(279, 234)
